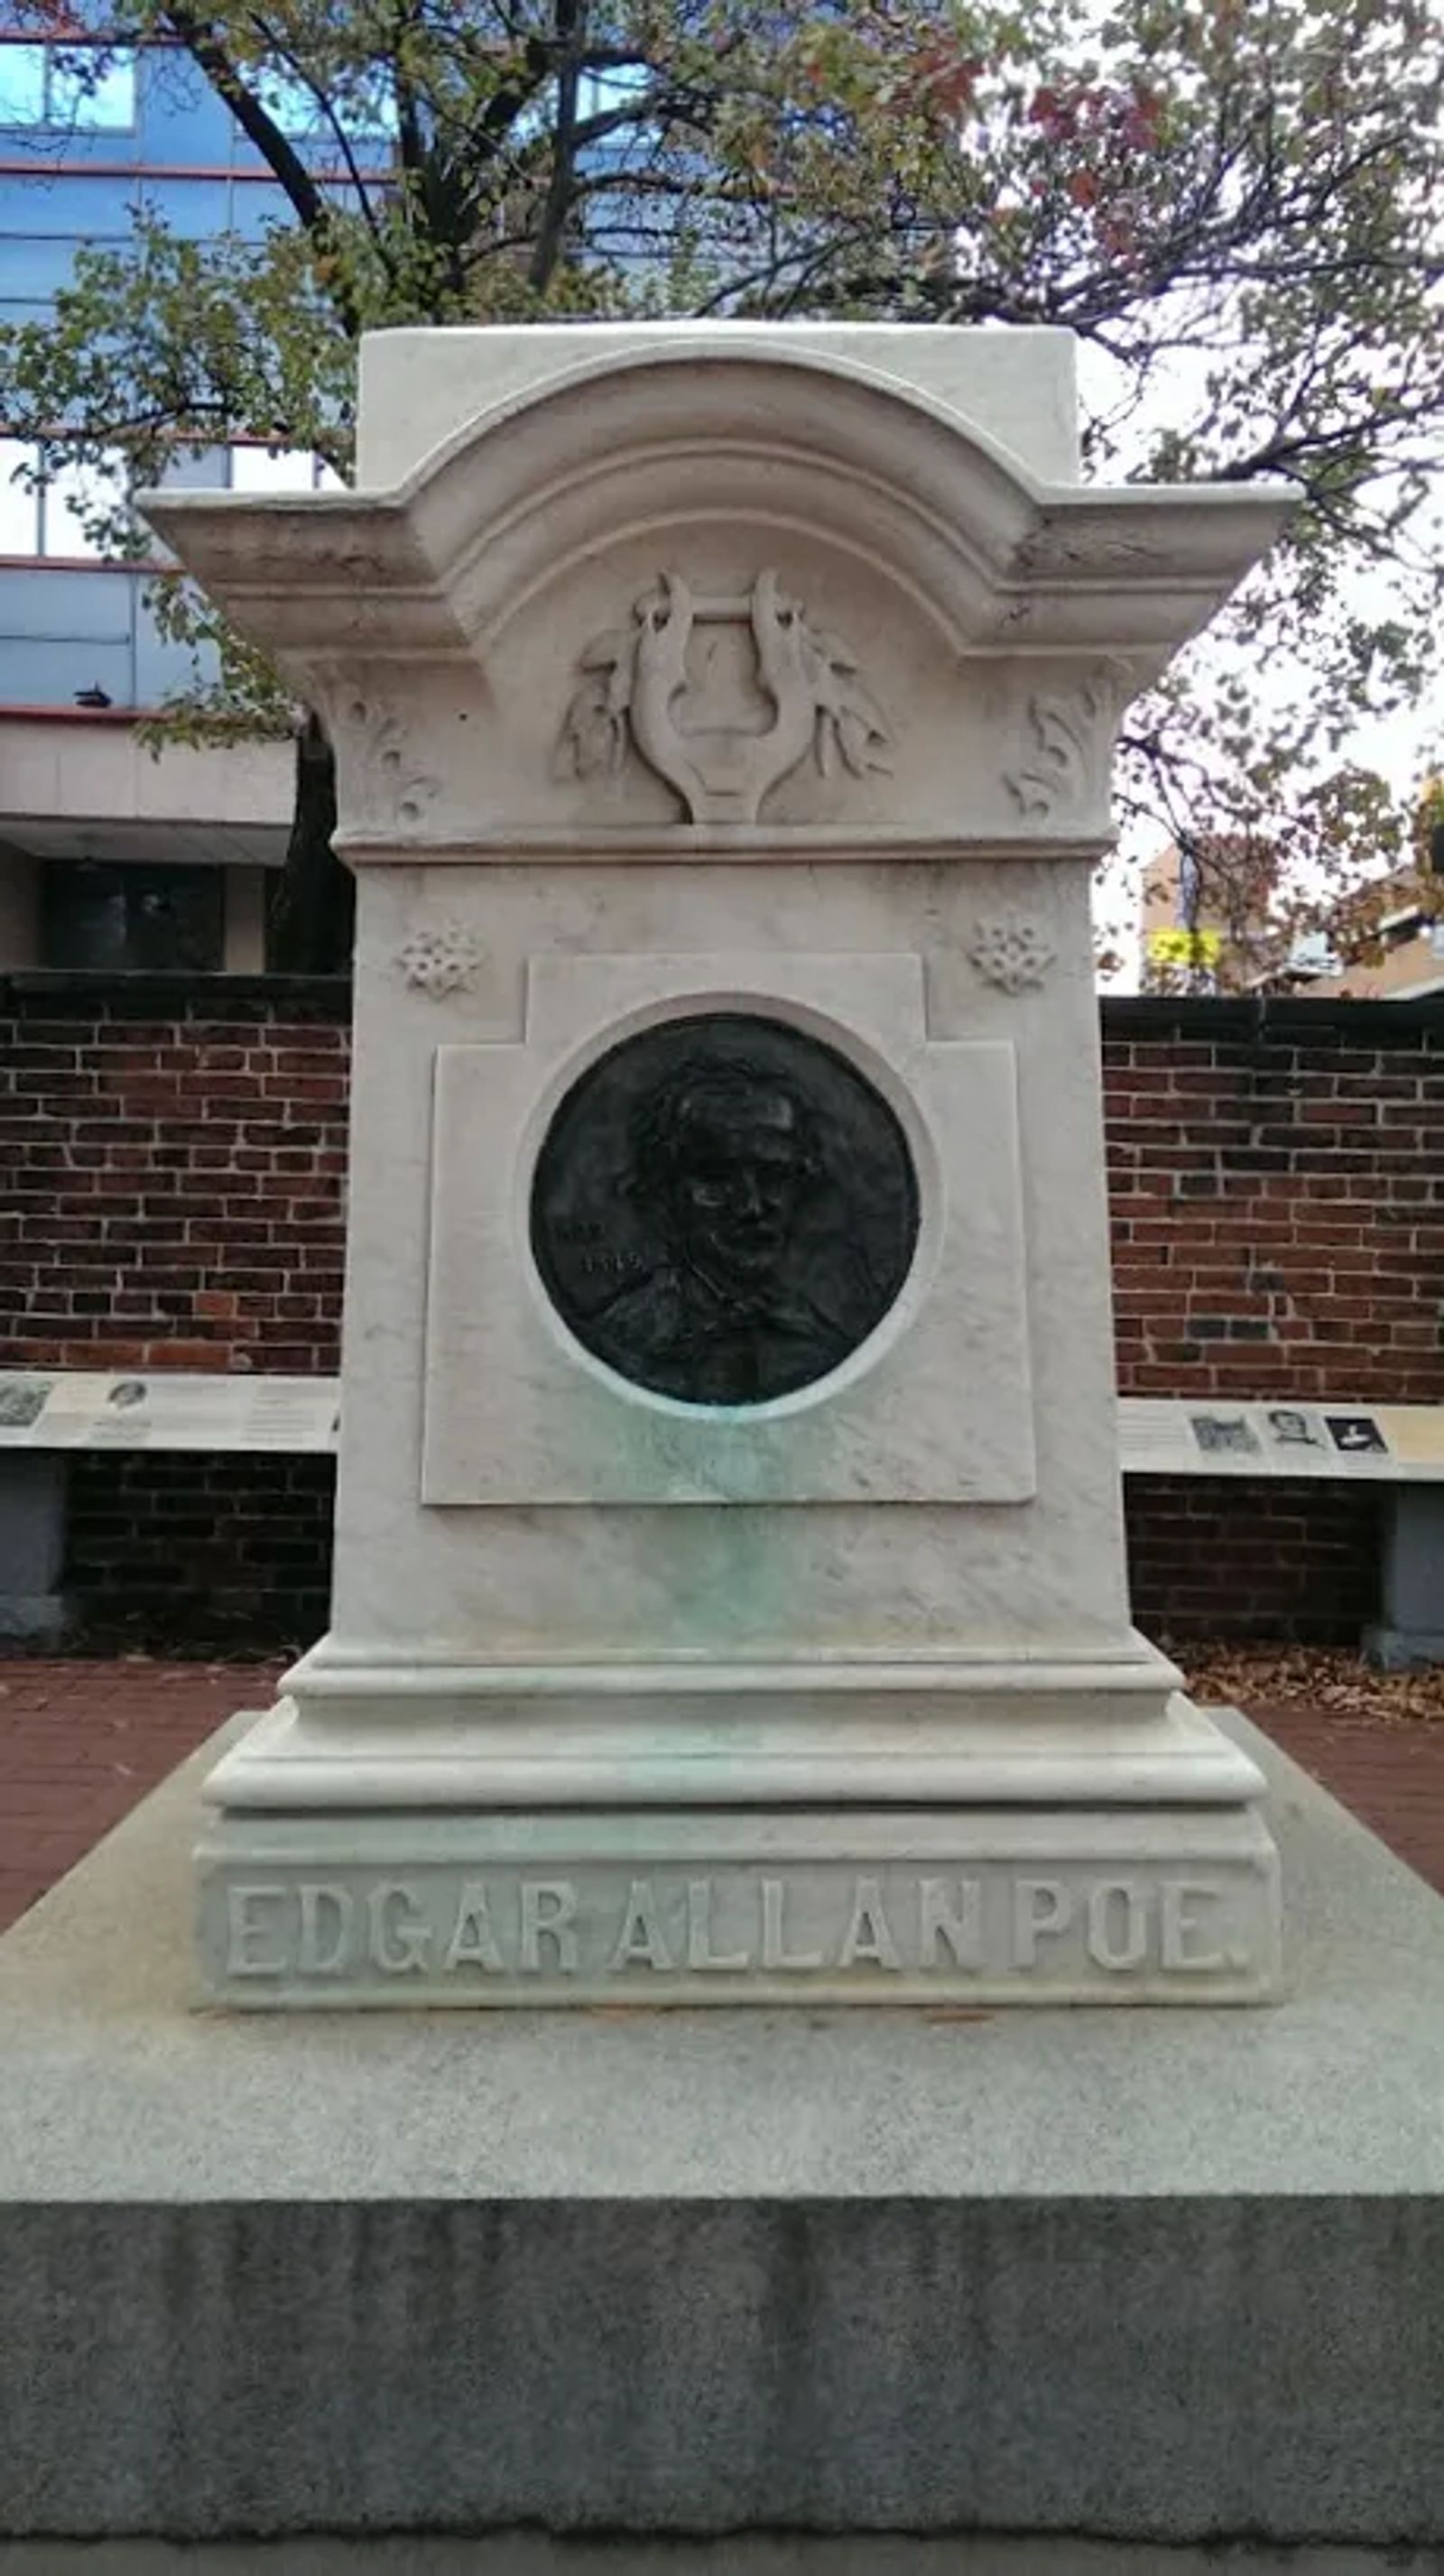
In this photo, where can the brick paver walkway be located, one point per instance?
(80, 1743)
(1390, 1772)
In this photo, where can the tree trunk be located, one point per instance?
(311, 917)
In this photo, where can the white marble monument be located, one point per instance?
(730, 1600)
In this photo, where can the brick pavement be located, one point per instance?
(82, 1742)
(1390, 1771)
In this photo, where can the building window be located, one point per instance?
(82, 512)
(112, 917)
(77, 89)
(19, 500)
(280, 469)
(363, 110)
(78, 514)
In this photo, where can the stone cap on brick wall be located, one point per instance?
(1263, 1018)
(1248, 1017)
(182, 994)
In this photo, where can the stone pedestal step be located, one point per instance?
(655, 1907)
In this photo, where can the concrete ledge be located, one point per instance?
(32, 1546)
(1149, 2277)
(1404, 1650)
(35, 1618)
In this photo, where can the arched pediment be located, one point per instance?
(727, 590)
(654, 447)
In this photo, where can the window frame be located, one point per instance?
(130, 881)
(71, 119)
(293, 106)
(47, 499)
(316, 480)
(47, 502)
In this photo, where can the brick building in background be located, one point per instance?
(1382, 943)
(174, 1154)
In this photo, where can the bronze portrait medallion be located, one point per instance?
(723, 1208)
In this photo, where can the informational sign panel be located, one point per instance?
(83, 1409)
(1391, 1443)
(1164, 1436)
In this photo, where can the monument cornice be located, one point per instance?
(674, 594)
(1004, 561)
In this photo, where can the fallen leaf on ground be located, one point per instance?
(1327, 1678)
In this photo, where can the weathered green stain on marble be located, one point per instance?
(717, 1481)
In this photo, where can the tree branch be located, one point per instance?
(571, 25)
(260, 128)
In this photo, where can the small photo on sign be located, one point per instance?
(1357, 1433)
(1224, 1434)
(23, 1403)
(1291, 1429)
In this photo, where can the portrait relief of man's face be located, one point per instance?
(742, 1165)
(722, 1209)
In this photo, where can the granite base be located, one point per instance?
(1166, 2278)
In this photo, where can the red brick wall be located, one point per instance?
(1217, 1556)
(172, 1159)
(172, 1171)
(172, 1155)
(170, 1550)
(1276, 1175)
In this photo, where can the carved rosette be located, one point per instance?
(441, 960)
(1012, 953)
(642, 694)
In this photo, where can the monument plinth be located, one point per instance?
(730, 1598)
